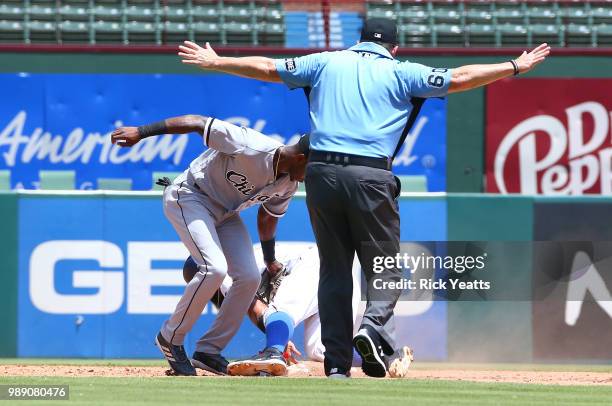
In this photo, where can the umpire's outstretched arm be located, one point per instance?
(256, 67)
(472, 76)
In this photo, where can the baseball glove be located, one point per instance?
(269, 285)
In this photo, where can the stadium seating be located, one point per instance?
(497, 23)
(207, 31)
(304, 30)
(579, 35)
(229, 22)
(422, 23)
(74, 32)
(604, 35)
(42, 31)
(12, 31)
(12, 11)
(345, 28)
(176, 32)
(74, 11)
(481, 35)
(448, 35)
(108, 32)
(415, 35)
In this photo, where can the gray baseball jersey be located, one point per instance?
(237, 170)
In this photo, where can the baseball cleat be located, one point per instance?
(214, 363)
(270, 361)
(176, 356)
(371, 354)
(399, 366)
(337, 373)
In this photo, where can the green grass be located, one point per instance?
(307, 391)
(283, 391)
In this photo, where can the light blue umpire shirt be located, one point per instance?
(361, 99)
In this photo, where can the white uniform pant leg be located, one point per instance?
(313, 347)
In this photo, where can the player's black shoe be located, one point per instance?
(176, 356)
(270, 362)
(367, 344)
(214, 363)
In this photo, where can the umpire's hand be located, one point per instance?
(528, 61)
(125, 136)
(193, 54)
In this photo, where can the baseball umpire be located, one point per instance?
(362, 105)
(241, 168)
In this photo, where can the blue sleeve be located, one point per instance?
(423, 81)
(299, 72)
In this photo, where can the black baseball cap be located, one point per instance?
(379, 30)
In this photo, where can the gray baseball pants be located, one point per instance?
(219, 248)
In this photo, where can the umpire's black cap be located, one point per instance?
(379, 30)
(304, 144)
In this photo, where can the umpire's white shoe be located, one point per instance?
(176, 356)
(371, 353)
(270, 361)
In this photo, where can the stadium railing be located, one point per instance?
(306, 24)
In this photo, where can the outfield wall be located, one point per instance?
(93, 274)
(47, 127)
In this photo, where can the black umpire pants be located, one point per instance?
(353, 209)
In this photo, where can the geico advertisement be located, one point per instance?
(549, 136)
(98, 276)
(129, 279)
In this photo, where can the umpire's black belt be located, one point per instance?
(349, 159)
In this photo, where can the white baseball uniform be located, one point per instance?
(203, 205)
(297, 293)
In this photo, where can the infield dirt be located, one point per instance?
(314, 369)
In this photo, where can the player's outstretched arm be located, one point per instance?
(253, 67)
(472, 76)
(129, 136)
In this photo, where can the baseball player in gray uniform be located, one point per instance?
(241, 168)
